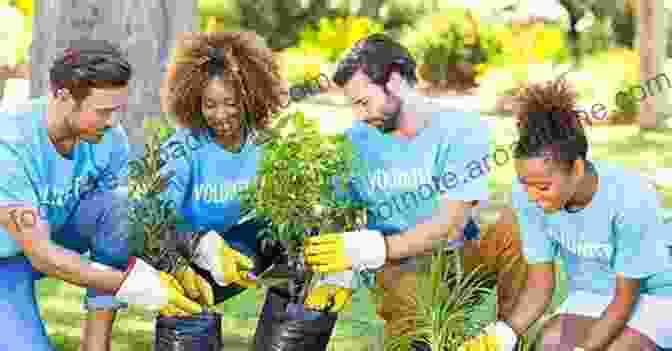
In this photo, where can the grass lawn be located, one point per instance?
(61, 303)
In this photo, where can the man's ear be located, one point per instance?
(579, 168)
(394, 83)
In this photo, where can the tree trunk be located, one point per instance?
(144, 29)
(651, 31)
(370, 8)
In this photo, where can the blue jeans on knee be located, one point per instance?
(21, 323)
(99, 226)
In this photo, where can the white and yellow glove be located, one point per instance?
(358, 251)
(498, 336)
(332, 293)
(195, 286)
(225, 264)
(155, 290)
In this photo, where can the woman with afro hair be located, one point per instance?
(604, 222)
(222, 89)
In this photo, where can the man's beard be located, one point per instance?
(392, 120)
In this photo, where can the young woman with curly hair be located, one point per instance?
(222, 89)
(603, 221)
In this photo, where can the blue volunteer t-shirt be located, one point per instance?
(34, 174)
(619, 232)
(400, 181)
(207, 179)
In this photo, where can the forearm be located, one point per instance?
(530, 306)
(421, 240)
(615, 317)
(605, 330)
(53, 260)
(67, 265)
(445, 225)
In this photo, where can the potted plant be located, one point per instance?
(300, 176)
(153, 239)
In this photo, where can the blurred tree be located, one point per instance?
(576, 11)
(145, 30)
(279, 21)
(370, 8)
(618, 13)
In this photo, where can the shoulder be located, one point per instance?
(459, 125)
(629, 187)
(20, 124)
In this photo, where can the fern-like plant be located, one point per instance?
(447, 301)
(153, 219)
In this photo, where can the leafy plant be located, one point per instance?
(449, 40)
(627, 105)
(530, 44)
(299, 179)
(153, 219)
(447, 300)
(332, 36)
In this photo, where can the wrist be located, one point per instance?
(131, 265)
(504, 330)
(340, 279)
(367, 250)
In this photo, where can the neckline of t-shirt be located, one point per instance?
(397, 140)
(245, 147)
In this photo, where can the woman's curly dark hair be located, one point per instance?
(242, 58)
(548, 123)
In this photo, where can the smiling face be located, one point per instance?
(371, 104)
(221, 111)
(96, 113)
(547, 183)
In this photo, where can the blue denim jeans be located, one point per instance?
(100, 227)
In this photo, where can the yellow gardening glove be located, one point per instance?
(225, 264)
(332, 293)
(497, 337)
(155, 290)
(329, 295)
(195, 286)
(331, 253)
(481, 343)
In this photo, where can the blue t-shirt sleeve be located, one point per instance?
(639, 239)
(460, 156)
(18, 182)
(537, 247)
(17, 189)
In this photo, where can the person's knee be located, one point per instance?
(553, 336)
(94, 301)
(632, 340)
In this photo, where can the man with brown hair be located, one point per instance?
(427, 159)
(64, 162)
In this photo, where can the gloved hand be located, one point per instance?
(332, 293)
(499, 334)
(155, 290)
(225, 264)
(195, 286)
(358, 251)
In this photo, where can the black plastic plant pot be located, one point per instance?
(287, 326)
(201, 332)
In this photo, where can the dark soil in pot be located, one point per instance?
(195, 333)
